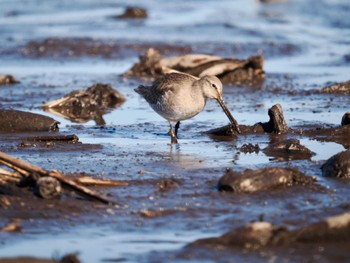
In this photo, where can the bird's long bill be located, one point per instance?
(229, 115)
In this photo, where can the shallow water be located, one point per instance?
(135, 137)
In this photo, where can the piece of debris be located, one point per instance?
(155, 213)
(4, 201)
(288, 150)
(88, 180)
(48, 187)
(32, 172)
(20, 121)
(234, 71)
(168, 184)
(262, 179)
(13, 226)
(261, 234)
(49, 140)
(346, 119)
(337, 166)
(337, 88)
(134, 12)
(277, 124)
(249, 148)
(8, 80)
(84, 105)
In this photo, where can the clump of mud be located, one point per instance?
(262, 179)
(337, 166)
(20, 121)
(8, 80)
(134, 13)
(337, 88)
(229, 70)
(83, 105)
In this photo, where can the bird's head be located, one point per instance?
(212, 87)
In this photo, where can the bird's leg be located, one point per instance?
(177, 126)
(173, 135)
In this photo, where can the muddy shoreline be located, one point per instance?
(185, 202)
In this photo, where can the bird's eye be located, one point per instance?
(214, 86)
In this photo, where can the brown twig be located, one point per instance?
(15, 163)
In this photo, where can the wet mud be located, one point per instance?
(282, 184)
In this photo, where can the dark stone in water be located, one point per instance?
(262, 179)
(337, 166)
(346, 119)
(20, 121)
(8, 80)
(134, 12)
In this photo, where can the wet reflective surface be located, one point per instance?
(305, 46)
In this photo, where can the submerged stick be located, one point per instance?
(30, 168)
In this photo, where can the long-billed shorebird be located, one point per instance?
(177, 97)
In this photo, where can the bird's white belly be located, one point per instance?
(178, 108)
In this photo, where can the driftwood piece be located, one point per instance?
(20, 121)
(13, 226)
(32, 169)
(87, 180)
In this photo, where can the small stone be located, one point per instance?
(134, 12)
(346, 119)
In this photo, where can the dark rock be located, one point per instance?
(7, 80)
(288, 150)
(262, 179)
(338, 88)
(337, 166)
(20, 121)
(134, 12)
(84, 105)
(346, 119)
